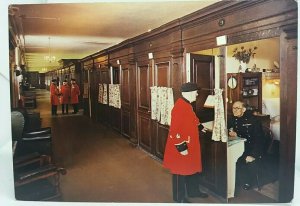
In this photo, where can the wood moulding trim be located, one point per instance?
(216, 12)
(246, 37)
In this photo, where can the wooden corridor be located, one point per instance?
(102, 166)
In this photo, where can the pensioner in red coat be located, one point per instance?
(183, 128)
(54, 92)
(75, 92)
(65, 94)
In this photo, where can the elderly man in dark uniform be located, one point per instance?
(183, 152)
(244, 124)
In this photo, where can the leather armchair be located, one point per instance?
(38, 140)
(37, 181)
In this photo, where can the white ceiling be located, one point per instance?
(78, 30)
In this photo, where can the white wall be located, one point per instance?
(266, 53)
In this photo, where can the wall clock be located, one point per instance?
(232, 82)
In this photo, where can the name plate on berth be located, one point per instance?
(208, 125)
(235, 141)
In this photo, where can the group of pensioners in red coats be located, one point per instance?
(67, 94)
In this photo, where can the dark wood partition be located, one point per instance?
(288, 111)
(99, 75)
(264, 19)
(240, 21)
(86, 66)
(144, 134)
(123, 66)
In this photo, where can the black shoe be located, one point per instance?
(246, 186)
(200, 194)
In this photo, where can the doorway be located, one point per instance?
(257, 84)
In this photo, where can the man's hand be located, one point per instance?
(231, 134)
(249, 159)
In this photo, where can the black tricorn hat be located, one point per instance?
(53, 80)
(189, 87)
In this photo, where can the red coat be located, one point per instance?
(184, 127)
(75, 92)
(54, 92)
(65, 94)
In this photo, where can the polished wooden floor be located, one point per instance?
(102, 166)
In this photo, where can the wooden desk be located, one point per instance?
(234, 151)
(214, 164)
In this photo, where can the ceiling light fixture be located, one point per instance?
(49, 58)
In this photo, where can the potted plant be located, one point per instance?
(243, 56)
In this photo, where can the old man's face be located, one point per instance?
(238, 109)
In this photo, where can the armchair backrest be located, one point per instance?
(17, 124)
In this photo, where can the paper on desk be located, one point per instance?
(237, 140)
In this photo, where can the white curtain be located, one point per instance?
(219, 129)
(162, 103)
(114, 95)
(85, 90)
(102, 96)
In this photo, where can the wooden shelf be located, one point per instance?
(245, 81)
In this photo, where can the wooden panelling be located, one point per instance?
(143, 87)
(177, 76)
(161, 46)
(162, 74)
(116, 75)
(288, 111)
(133, 101)
(86, 106)
(213, 153)
(94, 90)
(195, 32)
(125, 86)
(114, 116)
(105, 76)
(88, 64)
(161, 78)
(202, 73)
(201, 33)
(121, 54)
(103, 110)
(144, 131)
(214, 174)
(125, 125)
(101, 59)
(160, 142)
